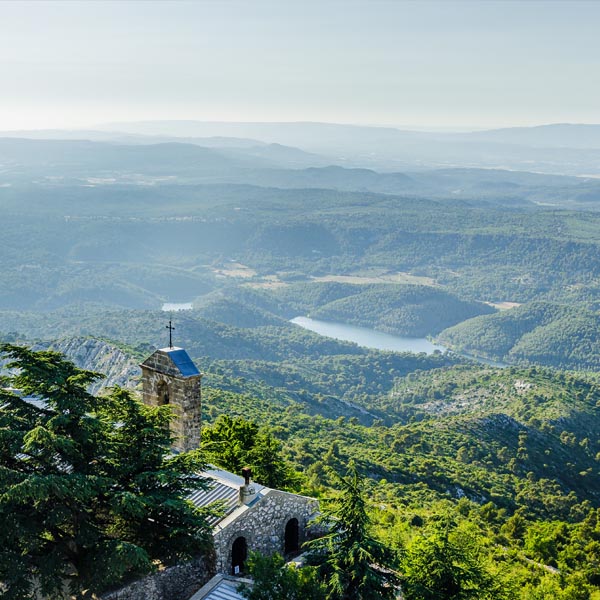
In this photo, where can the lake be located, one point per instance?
(368, 337)
(177, 306)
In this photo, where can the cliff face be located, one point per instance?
(119, 367)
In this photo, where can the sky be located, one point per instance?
(439, 64)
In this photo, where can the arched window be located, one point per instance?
(239, 554)
(291, 542)
(162, 392)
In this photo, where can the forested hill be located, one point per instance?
(563, 336)
(519, 437)
(334, 378)
(98, 256)
(135, 246)
(409, 310)
(404, 309)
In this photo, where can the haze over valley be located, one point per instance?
(374, 229)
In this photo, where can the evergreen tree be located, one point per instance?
(354, 565)
(270, 468)
(233, 443)
(89, 492)
(274, 580)
(228, 441)
(447, 564)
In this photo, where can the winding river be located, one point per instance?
(368, 337)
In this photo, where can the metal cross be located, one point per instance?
(170, 328)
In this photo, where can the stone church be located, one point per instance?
(256, 518)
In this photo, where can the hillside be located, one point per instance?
(542, 333)
(138, 246)
(409, 310)
(519, 437)
(332, 377)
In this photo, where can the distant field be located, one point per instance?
(235, 269)
(268, 283)
(399, 277)
(240, 271)
(503, 305)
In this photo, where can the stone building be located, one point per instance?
(256, 518)
(170, 377)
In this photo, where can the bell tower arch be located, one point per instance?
(169, 377)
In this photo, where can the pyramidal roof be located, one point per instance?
(172, 361)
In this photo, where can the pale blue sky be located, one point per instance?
(469, 63)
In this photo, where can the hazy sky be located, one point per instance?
(479, 63)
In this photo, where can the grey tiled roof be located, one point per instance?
(221, 587)
(224, 486)
(225, 590)
(219, 491)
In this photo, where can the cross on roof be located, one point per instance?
(171, 329)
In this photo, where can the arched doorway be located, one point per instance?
(162, 392)
(239, 554)
(292, 537)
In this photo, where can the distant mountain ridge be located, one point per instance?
(555, 135)
(33, 160)
(564, 135)
(555, 148)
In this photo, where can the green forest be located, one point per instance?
(492, 471)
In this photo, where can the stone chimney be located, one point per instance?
(247, 491)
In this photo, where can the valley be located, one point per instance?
(464, 374)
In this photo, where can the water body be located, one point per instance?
(177, 306)
(368, 337)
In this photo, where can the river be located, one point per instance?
(177, 306)
(368, 337)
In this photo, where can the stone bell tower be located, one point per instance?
(170, 377)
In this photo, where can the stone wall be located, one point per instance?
(179, 582)
(160, 376)
(263, 525)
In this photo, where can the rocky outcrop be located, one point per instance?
(119, 367)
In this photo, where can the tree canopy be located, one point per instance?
(354, 565)
(233, 443)
(89, 491)
(274, 580)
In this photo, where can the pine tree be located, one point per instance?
(448, 564)
(354, 565)
(274, 580)
(233, 443)
(89, 492)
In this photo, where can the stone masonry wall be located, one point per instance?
(184, 398)
(174, 583)
(263, 526)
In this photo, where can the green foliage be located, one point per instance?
(353, 564)
(99, 251)
(274, 580)
(448, 563)
(233, 443)
(409, 310)
(89, 492)
(521, 438)
(562, 336)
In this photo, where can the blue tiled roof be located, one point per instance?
(183, 362)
